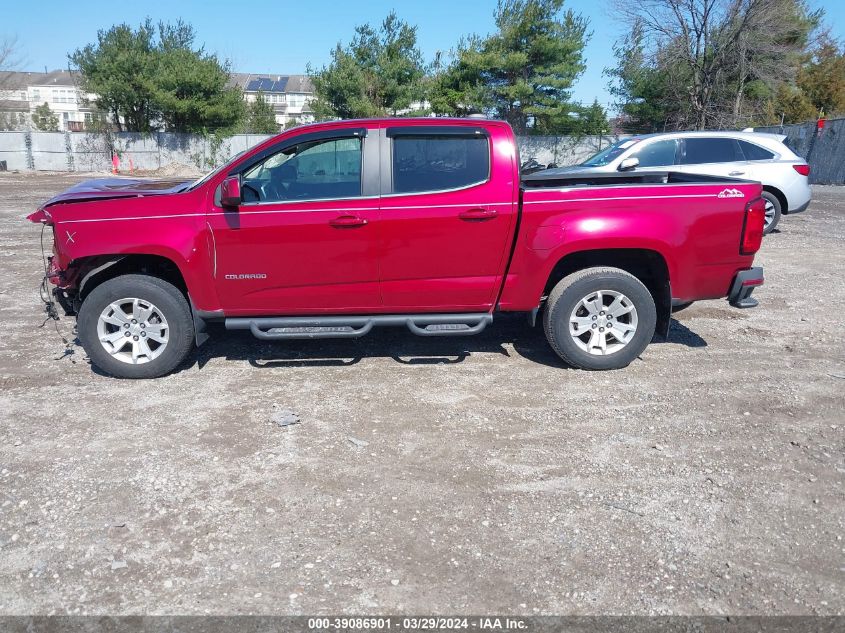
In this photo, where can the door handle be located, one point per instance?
(736, 173)
(347, 221)
(477, 215)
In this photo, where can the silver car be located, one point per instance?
(747, 155)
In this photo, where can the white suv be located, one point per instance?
(746, 155)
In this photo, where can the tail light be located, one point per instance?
(804, 170)
(752, 228)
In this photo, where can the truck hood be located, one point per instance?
(109, 188)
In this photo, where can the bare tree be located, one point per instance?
(719, 46)
(9, 59)
(771, 49)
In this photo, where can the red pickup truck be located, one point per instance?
(330, 229)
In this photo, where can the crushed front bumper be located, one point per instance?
(64, 299)
(744, 284)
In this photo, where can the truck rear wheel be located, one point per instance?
(599, 318)
(136, 326)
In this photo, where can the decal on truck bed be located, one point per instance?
(731, 193)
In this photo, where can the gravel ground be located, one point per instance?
(469, 475)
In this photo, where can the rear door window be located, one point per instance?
(656, 154)
(439, 163)
(755, 152)
(710, 150)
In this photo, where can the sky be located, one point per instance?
(283, 37)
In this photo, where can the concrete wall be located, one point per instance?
(14, 150)
(824, 150)
(82, 151)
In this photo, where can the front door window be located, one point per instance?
(316, 170)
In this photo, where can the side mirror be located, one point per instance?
(230, 192)
(629, 163)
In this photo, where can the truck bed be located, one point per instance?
(690, 222)
(557, 178)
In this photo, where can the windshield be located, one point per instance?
(609, 154)
(213, 173)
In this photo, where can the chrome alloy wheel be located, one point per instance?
(770, 214)
(603, 322)
(133, 331)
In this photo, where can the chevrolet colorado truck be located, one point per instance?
(330, 229)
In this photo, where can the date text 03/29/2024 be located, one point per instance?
(418, 623)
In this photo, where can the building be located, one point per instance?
(22, 92)
(14, 101)
(73, 108)
(290, 95)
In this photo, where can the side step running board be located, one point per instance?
(311, 327)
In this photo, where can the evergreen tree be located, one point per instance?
(44, 120)
(381, 72)
(594, 120)
(523, 72)
(153, 77)
(260, 116)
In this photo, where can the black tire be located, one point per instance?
(569, 292)
(772, 199)
(681, 306)
(168, 299)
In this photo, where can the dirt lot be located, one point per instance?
(451, 476)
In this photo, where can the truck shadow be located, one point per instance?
(682, 335)
(507, 334)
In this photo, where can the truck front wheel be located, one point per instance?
(599, 318)
(136, 326)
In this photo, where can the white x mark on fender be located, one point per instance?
(70, 237)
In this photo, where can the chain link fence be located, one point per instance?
(822, 148)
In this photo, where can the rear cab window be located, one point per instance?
(430, 162)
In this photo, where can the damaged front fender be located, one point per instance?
(42, 216)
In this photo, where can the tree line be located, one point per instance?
(155, 77)
(148, 78)
(681, 64)
(697, 64)
(523, 72)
